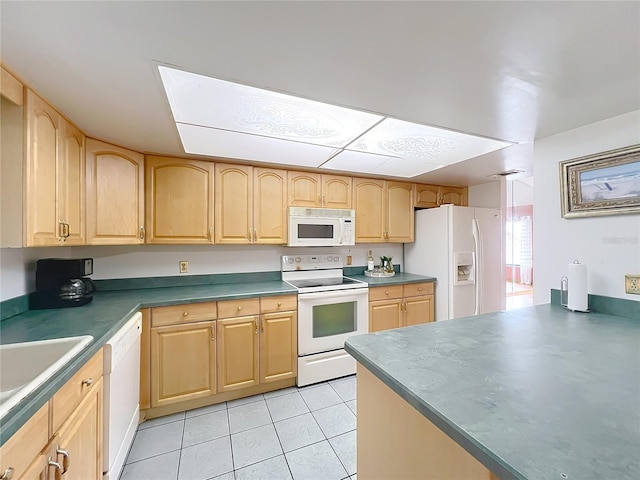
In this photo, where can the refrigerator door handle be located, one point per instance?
(478, 265)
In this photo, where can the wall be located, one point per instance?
(609, 245)
(487, 195)
(17, 266)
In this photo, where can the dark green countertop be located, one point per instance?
(531, 393)
(396, 280)
(102, 318)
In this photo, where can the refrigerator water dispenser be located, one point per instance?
(464, 268)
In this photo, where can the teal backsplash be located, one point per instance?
(621, 307)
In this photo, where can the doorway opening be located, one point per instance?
(519, 243)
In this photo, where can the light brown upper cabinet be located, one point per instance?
(399, 212)
(54, 177)
(384, 211)
(319, 190)
(368, 200)
(115, 195)
(429, 196)
(250, 205)
(178, 200)
(270, 206)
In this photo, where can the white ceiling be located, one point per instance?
(513, 71)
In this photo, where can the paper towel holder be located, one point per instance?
(564, 294)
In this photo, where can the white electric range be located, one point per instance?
(331, 307)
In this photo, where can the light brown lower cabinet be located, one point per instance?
(197, 351)
(183, 363)
(238, 361)
(397, 306)
(73, 451)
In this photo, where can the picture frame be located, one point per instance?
(606, 183)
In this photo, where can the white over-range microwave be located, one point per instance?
(321, 227)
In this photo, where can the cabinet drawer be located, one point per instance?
(278, 304)
(415, 289)
(384, 293)
(22, 448)
(237, 308)
(71, 394)
(187, 313)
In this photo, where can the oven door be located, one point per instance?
(314, 232)
(327, 319)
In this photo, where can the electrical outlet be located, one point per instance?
(349, 259)
(632, 284)
(184, 267)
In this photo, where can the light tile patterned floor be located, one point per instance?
(304, 433)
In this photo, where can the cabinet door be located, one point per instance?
(278, 346)
(385, 314)
(368, 201)
(427, 196)
(418, 310)
(115, 195)
(43, 123)
(269, 206)
(233, 204)
(454, 195)
(183, 359)
(399, 214)
(237, 353)
(178, 200)
(38, 469)
(81, 438)
(71, 184)
(336, 191)
(304, 189)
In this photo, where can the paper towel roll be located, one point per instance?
(578, 295)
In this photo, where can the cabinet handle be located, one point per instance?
(210, 234)
(184, 314)
(65, 459)
(279, 304)
(68, 230)
(419, 289)
(58, 467)
(256, 322)
(262, 325)
(60, 230)
(319, 199)
(142, 233)
(8, 474)
(213, 333)
(324, 200)
(386, 293)
(255, 235)
(404, 306)
(87, 382)
(239, 308)
(250, 235)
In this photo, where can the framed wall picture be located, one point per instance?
(606, 183)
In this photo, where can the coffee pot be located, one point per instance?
(73, 289)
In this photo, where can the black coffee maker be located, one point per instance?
(62, 282)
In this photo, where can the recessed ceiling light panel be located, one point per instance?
(218, 118)
(221, 143)
(414, 141)
(210, 102)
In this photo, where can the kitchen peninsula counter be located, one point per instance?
(537, 393)
(102, 318)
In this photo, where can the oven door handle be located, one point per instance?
(347, 292)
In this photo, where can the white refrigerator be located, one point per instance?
(462, 248)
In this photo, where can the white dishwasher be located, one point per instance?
(121, 395)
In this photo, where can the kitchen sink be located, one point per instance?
(25, 366)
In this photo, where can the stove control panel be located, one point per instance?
(312, 262)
